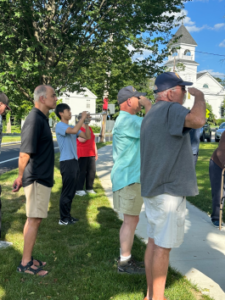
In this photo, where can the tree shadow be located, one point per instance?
(80, 258)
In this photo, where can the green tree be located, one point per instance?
(53, 41)
(211, 118)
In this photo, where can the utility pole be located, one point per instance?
(174, 63)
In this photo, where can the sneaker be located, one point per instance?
(81, 193)
(140, 264)
(74, 219)
(91, 192)
(217, 224)
(129, 266)
(67, 222)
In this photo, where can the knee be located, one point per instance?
(131, 221)
(34, 222)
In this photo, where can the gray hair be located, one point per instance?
(163, 93)
(40, 91)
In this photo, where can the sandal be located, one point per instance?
(23, 269)
(39, 261)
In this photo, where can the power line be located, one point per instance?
(209, 53)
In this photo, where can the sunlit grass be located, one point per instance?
(80, 257)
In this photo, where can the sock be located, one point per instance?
(123, 258)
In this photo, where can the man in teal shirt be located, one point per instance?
(125, 173)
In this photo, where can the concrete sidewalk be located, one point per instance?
(201, 257)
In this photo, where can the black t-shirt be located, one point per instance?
(36, 140)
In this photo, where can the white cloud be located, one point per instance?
(218, 26)
(191, 26)
(139, 54)
(213, 73)
(222, 44)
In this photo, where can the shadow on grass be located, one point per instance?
(204, 200)
(80, 257)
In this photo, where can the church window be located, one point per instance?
(205, 86)
(187, 52)
(88, 105)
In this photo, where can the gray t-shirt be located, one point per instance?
(167, 165)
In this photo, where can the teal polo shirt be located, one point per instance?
(126, 151)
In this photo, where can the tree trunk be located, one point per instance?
(8, 126)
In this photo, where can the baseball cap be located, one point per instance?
(4, 99)
(168, 80)
(128, 92)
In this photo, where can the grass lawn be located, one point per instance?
(80, 257)
(8, 139)
(204, 199)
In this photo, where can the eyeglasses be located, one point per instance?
(182, 88)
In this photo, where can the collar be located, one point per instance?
(40, 113)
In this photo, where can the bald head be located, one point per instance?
(40, 90)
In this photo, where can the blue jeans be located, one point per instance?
(215, 173)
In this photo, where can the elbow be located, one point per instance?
(198, 122)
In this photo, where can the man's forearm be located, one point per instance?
(147, 107)
(196, 118)
(87, 132)
(23, 161)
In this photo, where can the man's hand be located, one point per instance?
(96, 156)
(145, 102)
(84, 115)
(194, 92)
(17, 184)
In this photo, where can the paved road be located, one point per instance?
(9, 157)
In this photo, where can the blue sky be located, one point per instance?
(205, 20)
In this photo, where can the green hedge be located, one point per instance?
(219, 121)
(95, 128)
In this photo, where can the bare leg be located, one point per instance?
(30, 233)
(148, 267)
(127, 234)
(159, 271)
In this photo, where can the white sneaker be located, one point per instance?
(91, 192)
(81, 193)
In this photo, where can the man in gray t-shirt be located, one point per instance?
(167, 172)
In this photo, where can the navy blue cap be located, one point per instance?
(168, 80)
(128, 92)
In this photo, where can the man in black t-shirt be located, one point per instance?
(36, 165)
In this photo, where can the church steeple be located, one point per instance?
(185, 37)
(183, 48)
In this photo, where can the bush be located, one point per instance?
(95, 128)
(219, 121)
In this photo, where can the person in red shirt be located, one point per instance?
(87, 155)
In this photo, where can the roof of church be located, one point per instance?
(200, 74)
(185, 38)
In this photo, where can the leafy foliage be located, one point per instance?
(55, 42)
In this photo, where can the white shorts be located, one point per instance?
(166, 218)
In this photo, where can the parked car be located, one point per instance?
(205, 133)
(219, 132)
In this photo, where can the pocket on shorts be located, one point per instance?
(127, 200)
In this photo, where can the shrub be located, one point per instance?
(219, 121)
(95, 128)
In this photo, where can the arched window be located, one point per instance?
(175, 53)
(205, 86)
(187, 52)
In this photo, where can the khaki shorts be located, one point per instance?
(37, 199)
(166, 219)
(128, 200)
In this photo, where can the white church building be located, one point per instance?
(184, 53)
